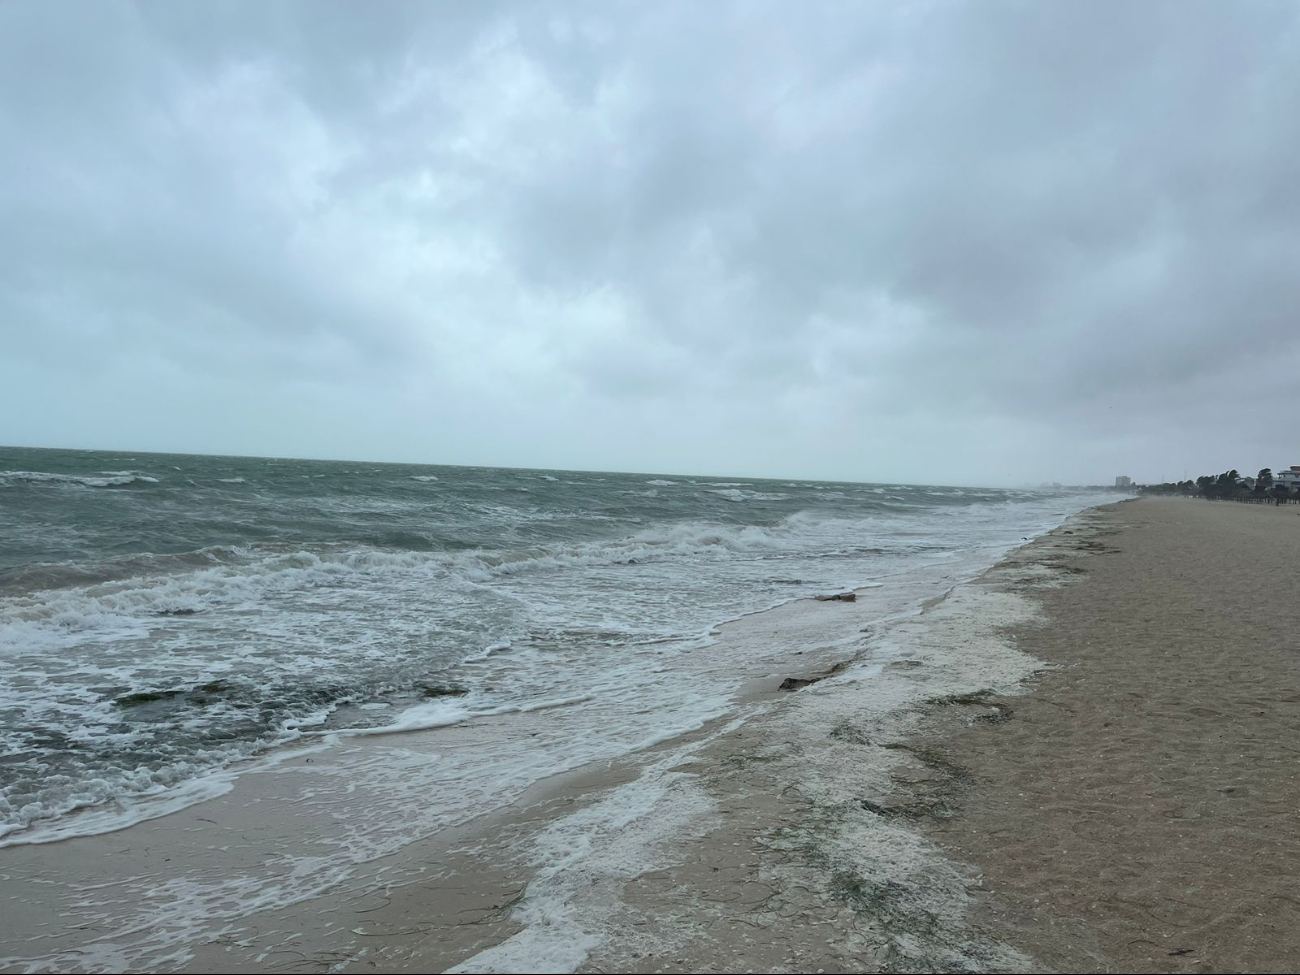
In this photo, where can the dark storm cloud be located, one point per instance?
(933, 241)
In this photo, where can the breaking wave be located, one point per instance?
(107, 479)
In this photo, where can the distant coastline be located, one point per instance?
(1266, 487)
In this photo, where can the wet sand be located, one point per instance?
(285, 871)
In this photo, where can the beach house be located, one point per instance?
(1290, 477)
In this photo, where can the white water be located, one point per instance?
(128, 689)
(382, 788)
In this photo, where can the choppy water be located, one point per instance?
(165, 615)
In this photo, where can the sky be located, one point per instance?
(938, 242)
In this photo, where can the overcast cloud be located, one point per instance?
(938, 242)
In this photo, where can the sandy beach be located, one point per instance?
(1081, 761)
(1139, 811)
(1129, 807)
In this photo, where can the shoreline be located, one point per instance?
(181, 915)
(495, 895)
(1033, 817)
(816, 860)
(126, 811)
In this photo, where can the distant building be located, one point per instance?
(1291, 478)
(1123, 481)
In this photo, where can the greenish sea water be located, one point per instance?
(162, 616)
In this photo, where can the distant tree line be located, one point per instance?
(1229, 486)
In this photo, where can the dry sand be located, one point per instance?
(1141, 810)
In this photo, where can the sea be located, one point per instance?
(165, 618)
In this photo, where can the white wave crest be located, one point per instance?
(737, 495)
(112, 478)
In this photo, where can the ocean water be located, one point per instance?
(165, 616)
